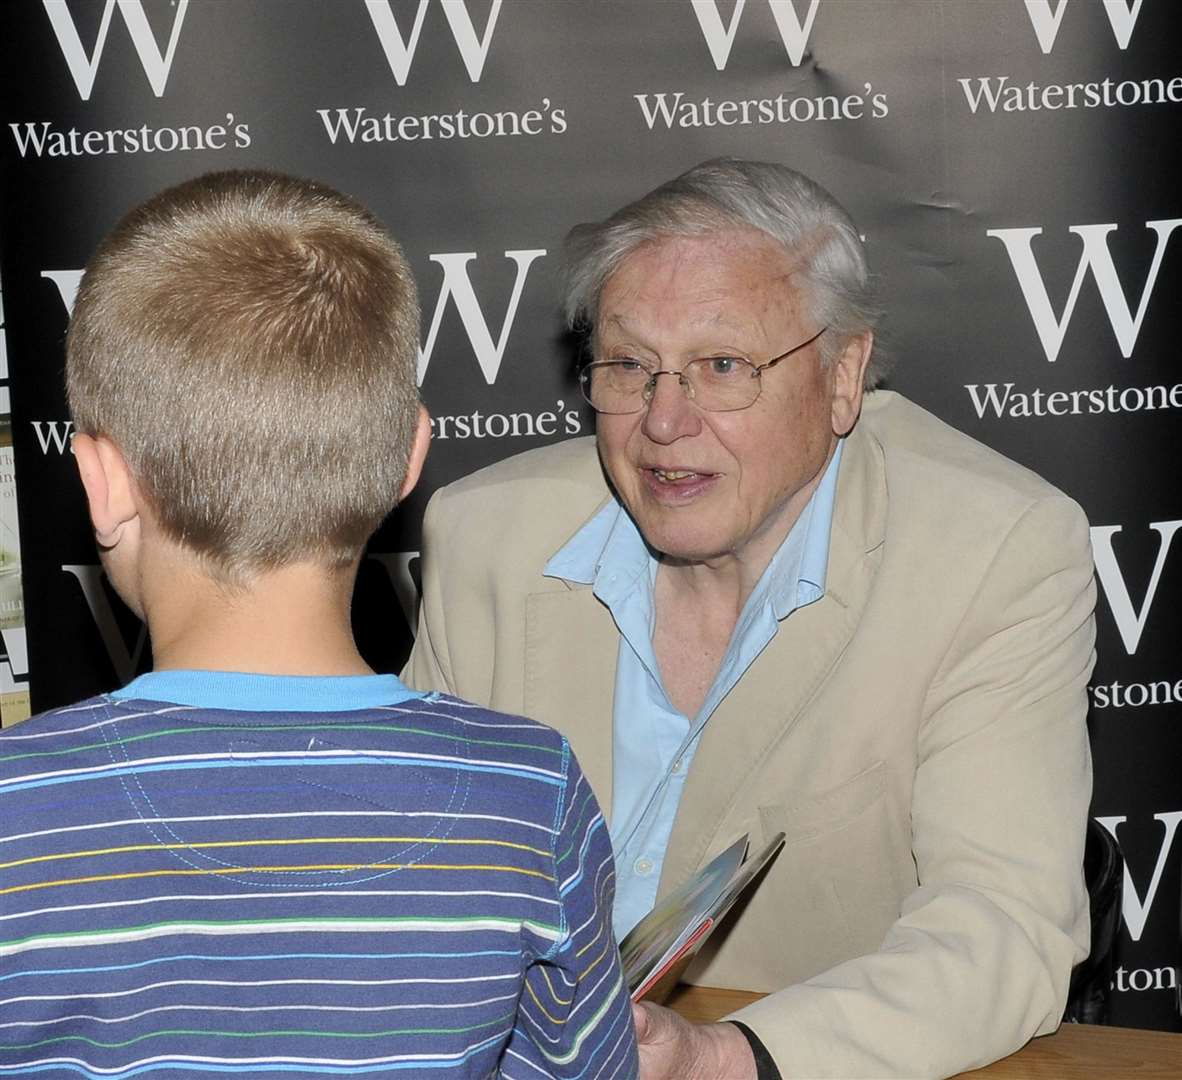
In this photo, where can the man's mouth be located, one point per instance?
(680, 480)
(677, 487)
(673, 476)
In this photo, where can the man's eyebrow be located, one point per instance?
(618, 322)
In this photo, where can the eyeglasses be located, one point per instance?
(712, 383)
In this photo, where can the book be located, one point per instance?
(14, 687)
(658, 949)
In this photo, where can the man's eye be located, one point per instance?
(719, 366)
(630, 367)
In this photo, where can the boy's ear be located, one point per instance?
(110, 489)
(418, 452)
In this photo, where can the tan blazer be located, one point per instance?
(918, 734)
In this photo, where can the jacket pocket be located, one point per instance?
(828, 812)
(846, 866)
(830, 894)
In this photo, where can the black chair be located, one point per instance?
(1091, 980)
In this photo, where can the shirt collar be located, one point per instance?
(244, 691)
(817, 523)
(608, 553)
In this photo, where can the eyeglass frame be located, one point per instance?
(649, 389)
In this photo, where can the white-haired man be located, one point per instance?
(758, 602)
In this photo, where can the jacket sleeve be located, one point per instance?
(575, 1018)
(429, 665)
(979, 960)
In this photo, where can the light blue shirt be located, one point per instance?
(653, 744)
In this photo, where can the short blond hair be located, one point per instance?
(250, 343)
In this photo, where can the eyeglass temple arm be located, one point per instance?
(795, 348)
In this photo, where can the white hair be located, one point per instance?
(727, 193)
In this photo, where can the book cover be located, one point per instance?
(659, 947)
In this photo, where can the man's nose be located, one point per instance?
(670, 414)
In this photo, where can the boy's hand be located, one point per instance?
(674, 1049)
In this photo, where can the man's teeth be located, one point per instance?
(669, 475)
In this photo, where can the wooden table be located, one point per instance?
(1075, 1052)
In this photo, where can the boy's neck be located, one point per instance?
(291, 621)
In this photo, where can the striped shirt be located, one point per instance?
(422, 887)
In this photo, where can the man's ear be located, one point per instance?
(418, 452)
(849, 373)
(110, 489)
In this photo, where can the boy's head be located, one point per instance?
(247, 343)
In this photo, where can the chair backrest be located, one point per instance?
(1087, 995)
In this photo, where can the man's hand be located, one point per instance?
(674, 1049)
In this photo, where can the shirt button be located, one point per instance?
(677, 766)
(643, 866)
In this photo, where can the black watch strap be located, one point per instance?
(765, 1068)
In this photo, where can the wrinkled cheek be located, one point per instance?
(614, 461)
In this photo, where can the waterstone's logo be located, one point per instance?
(999, 94)
(1095, 259)
(358, 124)
(996, 93)
(56, 435)
(457, 286)
(489, 352)
(156, 63)
(1129, 621)
(400, 51)
(1138, 902)
(126, 655)
(1132, 619)
(720, 37)
(41, 138)
(1046, 16)
(676, 109)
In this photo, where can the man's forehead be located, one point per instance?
(720, 260)
(723, 278)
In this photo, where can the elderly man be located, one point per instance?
(761, 600)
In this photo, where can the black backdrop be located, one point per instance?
(1012, 164)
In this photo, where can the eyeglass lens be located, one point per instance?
(716, 384)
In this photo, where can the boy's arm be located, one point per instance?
(574, 1016)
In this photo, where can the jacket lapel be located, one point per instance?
(770, 698)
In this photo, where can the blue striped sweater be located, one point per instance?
(421, 887)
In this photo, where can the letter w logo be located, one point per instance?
(400, 52)
(1046, 20)
(124, 659)
(1096, 257)
(1129, 621)
(720, 38)
(457, 284)
(1135, 910)
(84, 68)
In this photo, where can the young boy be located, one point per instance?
(261, 857)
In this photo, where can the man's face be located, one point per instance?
(709, 486)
